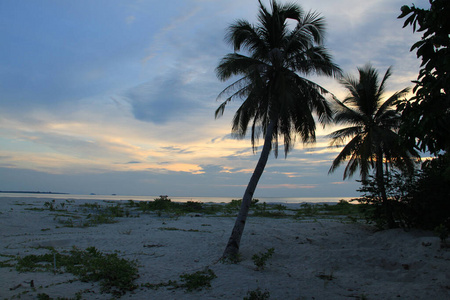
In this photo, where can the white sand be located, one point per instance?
(361, 263)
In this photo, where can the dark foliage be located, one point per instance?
(165, 205)
(426, 116)
(429, 199)
(397, 187)
(419, 201)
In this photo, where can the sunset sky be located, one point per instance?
(109, 96)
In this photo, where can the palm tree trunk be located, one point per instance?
(382, 188)
(232, 248)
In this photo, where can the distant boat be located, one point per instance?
(92, 194)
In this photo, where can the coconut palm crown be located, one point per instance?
(373, 125)
(272, 85)
(278, 101)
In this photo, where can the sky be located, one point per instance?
(115, 96)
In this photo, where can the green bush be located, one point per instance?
(116, 275)
(197, 280)
(257, 295)
(307, 209)
(192, 206)
(260, 259)
(163, 203)
(236, 204)
(116, 210)
(418, 201)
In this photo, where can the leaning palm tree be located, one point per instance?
(373, 131)
(278, 101)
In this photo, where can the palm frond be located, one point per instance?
(220, 110)
(314, 60)
(313, 25)
(237, 64)
(236, 89)
(391, 102)
(339, 136)
(345, 114)
(348, 151)
(313, 95)
(382, 85)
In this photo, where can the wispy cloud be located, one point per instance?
(288, 186)
(170, 32)
(130, 19)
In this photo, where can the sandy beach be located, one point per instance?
(313, 258)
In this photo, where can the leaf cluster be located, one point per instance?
(427, 114)
(197, 280)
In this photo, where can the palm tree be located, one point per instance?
(277, 101)
(373, 131)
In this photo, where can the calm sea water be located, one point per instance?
(175, 199)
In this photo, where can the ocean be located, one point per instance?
(177, 199)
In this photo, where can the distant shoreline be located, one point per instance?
(33, 192)
(281, 200)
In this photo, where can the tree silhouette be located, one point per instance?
(373, 131)
(278, 101)
(427, 114)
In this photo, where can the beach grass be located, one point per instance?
(164, 206)
(260, 259)
(69, 214)
(257, 294)
(116, 275)
(195, 281)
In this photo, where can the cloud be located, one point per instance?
(288, 186)
(130, 19)
(167, 33)
(324, 150)
(161, 100)
(289, 174)
(177, 150)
